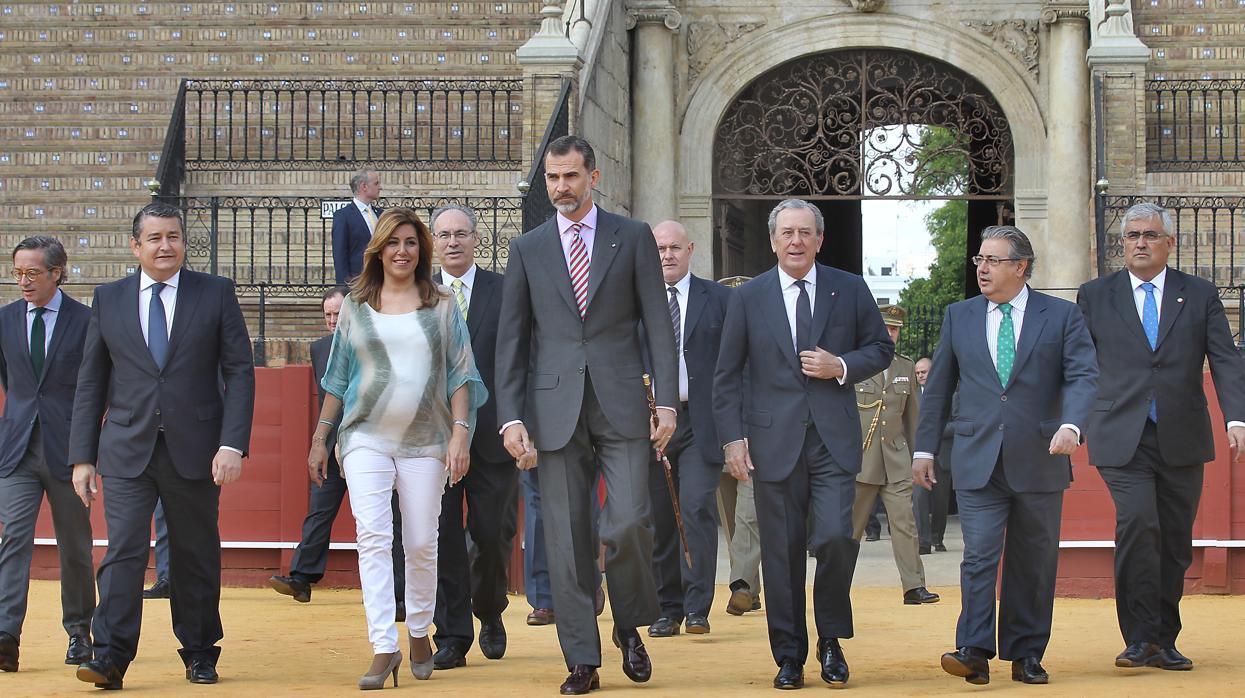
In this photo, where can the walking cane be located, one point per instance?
(661, 456)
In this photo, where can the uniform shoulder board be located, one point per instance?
(901, 356)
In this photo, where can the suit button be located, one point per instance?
(584, 341)
(883, 422)
(1003, 398)
(1000, 427)
(580, 369)
(157, 413)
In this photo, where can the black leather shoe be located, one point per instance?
(919, 595)
(833, 665)
(756, 603)
(635, 662)
(871, 537)
(448, 657)
(79, 650)
(696, 624)
(790, 675)
(159, 590)
(8, 652)
(101, 672)
(291, 586)
(924, 550)
(940, 548)
(399, 614)
(201, 670)
(600, 601)
(1029, 670)
(968, 662)
(1171, 659)
(493, 638)
(663, 627)
(583, 678)
(1137, 654)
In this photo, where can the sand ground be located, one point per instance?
(274, 646)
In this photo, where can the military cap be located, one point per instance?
(892, 314)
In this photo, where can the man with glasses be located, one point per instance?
(490, 488)
(1025, 369)
(1150, 433)
(41, 339)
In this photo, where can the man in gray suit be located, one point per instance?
(40, 351)
(569, 388)
(804, 334)
(1026, 372)
(164, 404)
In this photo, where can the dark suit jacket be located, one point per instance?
(320, 350)
(483, 314)
(1053, 380)
(48, 398)
(1192, 328)
(756, 334)
(706, 311)
(544, 348)
(350, 238)
(203, 398)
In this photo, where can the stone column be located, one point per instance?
(1064, 253)
(547, 59)
(653, 138)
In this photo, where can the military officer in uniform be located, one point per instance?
(888, 406)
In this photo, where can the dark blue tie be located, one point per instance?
(1150, 323)
(157, 327)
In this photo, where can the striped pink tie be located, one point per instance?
(579, 269)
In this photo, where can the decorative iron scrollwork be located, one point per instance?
(848, 123)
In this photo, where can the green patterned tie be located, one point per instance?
(1005, 347)
(459, 298)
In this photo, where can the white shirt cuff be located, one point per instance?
(736, 441)
(1074, 428)
(1235, 423)
(843, 378)
(507, 425)
(922, 454)
(231, 448)
(663, 407)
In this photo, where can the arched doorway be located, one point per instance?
(845, 126)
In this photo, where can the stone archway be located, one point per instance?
(722, 81)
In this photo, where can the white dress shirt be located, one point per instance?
(168, 296)
(364, 209)
(791, 296)
(587, 233)
(468, 279)
(683, 287)
(51, 311)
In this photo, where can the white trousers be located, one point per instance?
(371, 477)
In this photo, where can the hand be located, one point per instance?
(820, 363)
(1236, 443)
(660, 431)
(226, 467)
(923, 473)
(84, 483)
(519, 445)
(458, 456)
(1064, 442)
(738, 461)
(318, 463)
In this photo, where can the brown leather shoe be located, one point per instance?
(635, 661)
(583, 678)
(540, 616)
(741, 599)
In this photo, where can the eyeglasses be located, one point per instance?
(460, 235)
(991, 260)
(1149, 235)
(30, 274)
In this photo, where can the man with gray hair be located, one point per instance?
(1025, 369)
(1150, 432)
(353, 225)
(802, 334)
(41, 336)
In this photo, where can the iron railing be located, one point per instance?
(345, 124)
(1208, 232)
(172, 168)
(537, 208)
(1195, 125)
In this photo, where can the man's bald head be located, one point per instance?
(675, 250)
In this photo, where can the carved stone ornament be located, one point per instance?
(639, 11)
(1061, 10)
(706, 38)
(1018, 37)
(867, 5)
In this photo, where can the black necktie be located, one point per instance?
(157, 326)
(38, 338)
(803, 319)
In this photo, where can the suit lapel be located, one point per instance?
(64, 320)
(697, 296)
(604, 248)
(1030, 330)
(481, 296)
(129, 299)
(187, 303)
(827, 294)
(548, 245)
(977, 342)
(776, 314)
(1121, 291)
(16, 324)
(1173, 303)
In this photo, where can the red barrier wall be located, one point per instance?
(261, 515)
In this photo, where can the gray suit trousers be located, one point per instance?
(21, 493)
(738, 511)
(567, 477)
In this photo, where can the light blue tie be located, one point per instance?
(1150, 323)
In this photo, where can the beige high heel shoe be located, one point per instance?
(421, 670)
(375, 678)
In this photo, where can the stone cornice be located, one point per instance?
(1065, 10)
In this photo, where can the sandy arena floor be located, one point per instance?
(276, 647)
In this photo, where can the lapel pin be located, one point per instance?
(613, 244)
(1179, 300)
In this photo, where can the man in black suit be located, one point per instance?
(311, 557)
(353, 225)
(1025, 370)
(490, 488)
(1149, 432)
(697, 308)
(168, 357)
(40, 351)
(805, 334)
